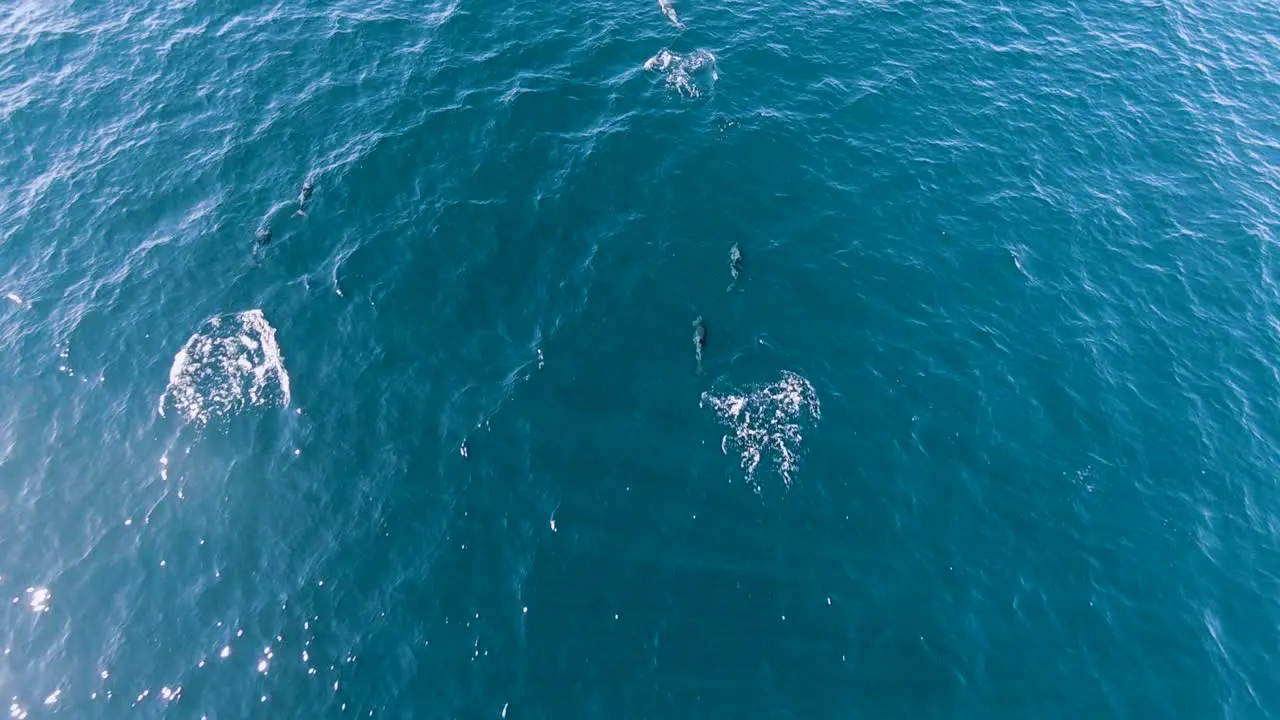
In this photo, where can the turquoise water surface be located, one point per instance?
(987, 427)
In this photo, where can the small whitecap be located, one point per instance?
(38, 599)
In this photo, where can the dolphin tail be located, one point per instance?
(300, 213)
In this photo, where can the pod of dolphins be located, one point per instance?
(263, 237)
(699, 324)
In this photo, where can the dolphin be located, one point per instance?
(735, 266)
(699, 340)
(669, 11)
(261, 239)
(304, 196)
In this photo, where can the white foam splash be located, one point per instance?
(38, 599)
(767, 419)
(691, 75)
(231, 364)
(14, 298)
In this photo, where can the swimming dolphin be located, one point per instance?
(304, 196)
(735, 266)
(699, 340)
(669, 10)
(261, 239)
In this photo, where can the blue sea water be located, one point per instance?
(987, 428)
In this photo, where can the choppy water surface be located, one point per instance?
(986, 428)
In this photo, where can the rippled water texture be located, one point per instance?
(987, 426)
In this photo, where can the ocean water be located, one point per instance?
(988, 426)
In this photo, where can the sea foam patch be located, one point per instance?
(766, 421)
(230, 364)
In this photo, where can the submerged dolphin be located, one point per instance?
(699, 340)
(669, 10)
(304, 196)
(261, 239)
(735, 266)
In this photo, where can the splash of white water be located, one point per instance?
(691, 75)
(232, 363)
(767, 420)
